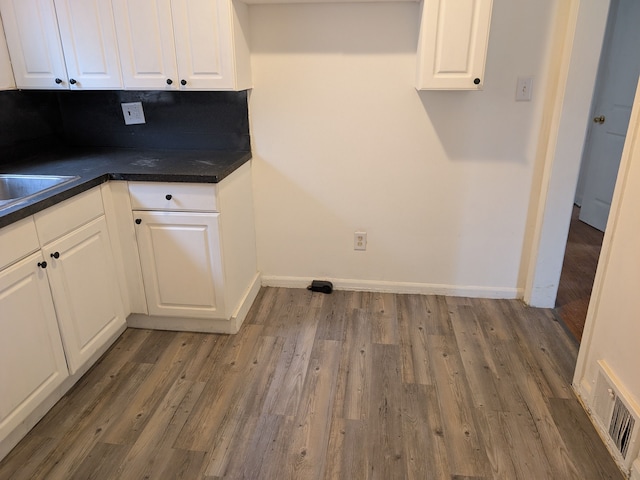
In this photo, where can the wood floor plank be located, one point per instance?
(101, 462)
(354, 373)
(146, 401)
(476, 357)
(76, 443)
(312, 422)
(423, 434)
(353, 385)
(465, 451)
(584, 449)
(348, 450)
(233, 418)
(387, 455)
(413, 325)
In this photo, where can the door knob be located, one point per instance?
(599, 119)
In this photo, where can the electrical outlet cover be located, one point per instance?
(133, 113)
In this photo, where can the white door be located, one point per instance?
(617, 80)
(203, 36)
(181, 263)
(6, 72)
(32, 362)
(89, 41)
(145, 39)
(34, 44)
(453, 44)
(85, 290)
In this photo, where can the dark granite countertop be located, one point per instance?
(95, 166)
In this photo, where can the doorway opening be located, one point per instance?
(612, 101)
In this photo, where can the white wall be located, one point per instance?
(612, 331)
(343, 142)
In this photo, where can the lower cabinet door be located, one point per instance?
(32, 361)
(85, 290)
(181, 263)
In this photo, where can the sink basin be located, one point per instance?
(19, 188)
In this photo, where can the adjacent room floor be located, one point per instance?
(342, 386)
(578, 272)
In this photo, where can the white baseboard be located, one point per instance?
(397, 287)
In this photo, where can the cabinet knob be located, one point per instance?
(55, 255)
(168, 196)
(72, 81)
(58, 81)
(169, 81)
(42, 264)
(477, 81)
(138, 221)
(183, 82)
(601, 119)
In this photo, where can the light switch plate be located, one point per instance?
(133, 113)
(523, 89)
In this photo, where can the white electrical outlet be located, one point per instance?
(133, 113)
(523, 89)
(360, 241)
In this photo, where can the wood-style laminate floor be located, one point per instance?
(342, 386)
(578, 272)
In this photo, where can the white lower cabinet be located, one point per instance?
(181, 263)
(60, 308)
(32, 361)
(85, 291)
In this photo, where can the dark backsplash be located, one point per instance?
(28, 118)
(174, 120)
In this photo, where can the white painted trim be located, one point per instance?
(561, 150)
(247, 300)
(397, 287)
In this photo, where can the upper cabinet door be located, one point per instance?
(34, 43)
(145, 38)
(203, 33)
(89, 41)
(6, 72)
(453, 44)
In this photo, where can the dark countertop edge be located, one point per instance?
(48, 199)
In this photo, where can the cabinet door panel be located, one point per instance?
(34, 43)
(145, 37)
(83, 282)
(7, 81)
(181, 263)
(203, 43)
(88, 37)
(32, 362)
(453, 44)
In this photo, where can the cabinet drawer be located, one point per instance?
(17, 241)
(60, 219)
(173, 196)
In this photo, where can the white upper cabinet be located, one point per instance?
(145, 37)
(6, 72)
(89, 43)
(34, 43)
(453, 42)
(183, 44)
(37, 31)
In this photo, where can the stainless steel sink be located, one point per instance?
(20, 188)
